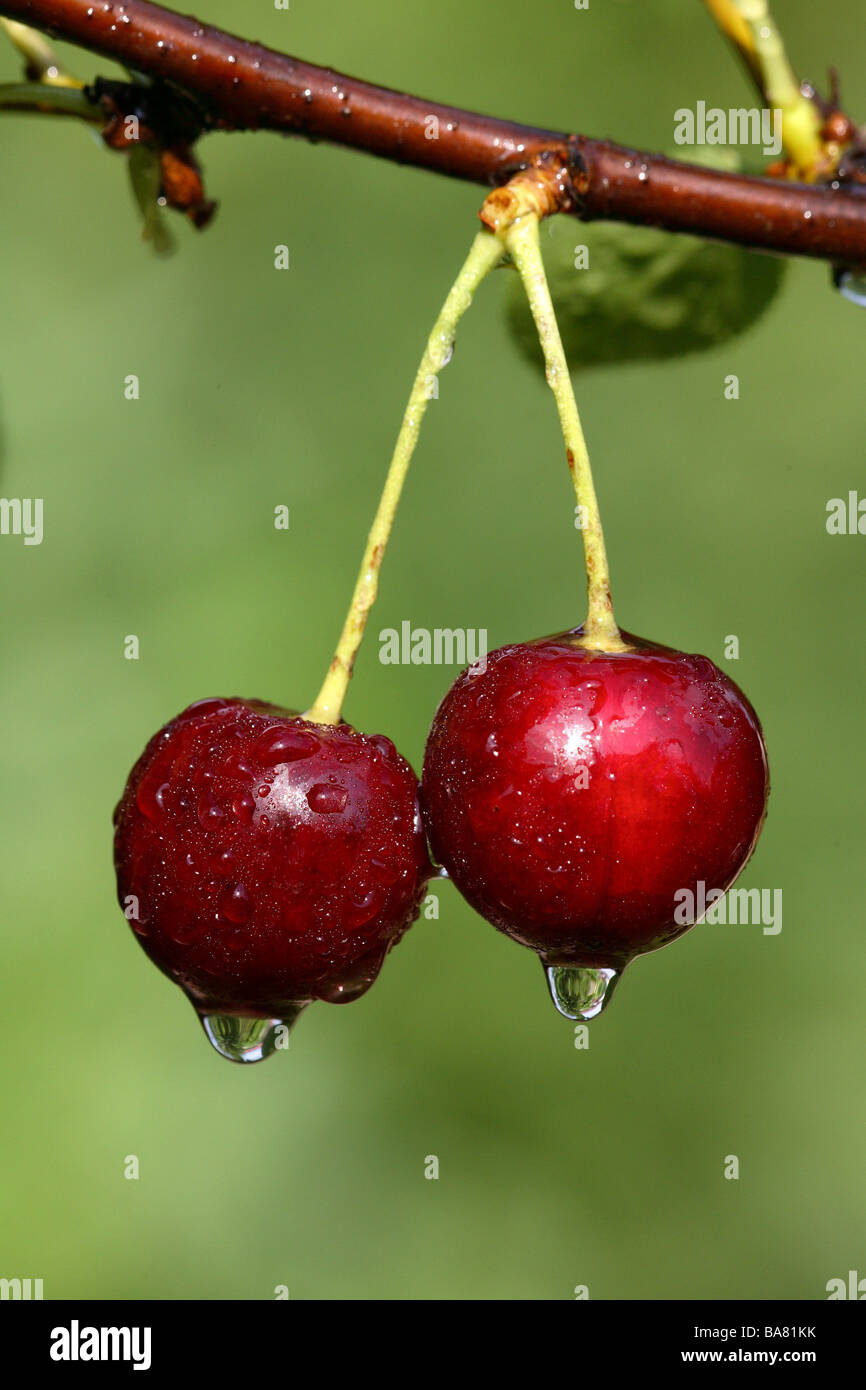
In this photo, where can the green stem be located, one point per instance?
(600, 632)
(39, 57)
(735, 28)
(801, 125)
(48, 100)
(486, 252)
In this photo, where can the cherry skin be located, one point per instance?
(265, 861)
(573, 795)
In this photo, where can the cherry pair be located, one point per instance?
(266, 861)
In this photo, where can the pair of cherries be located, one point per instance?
(265, 861)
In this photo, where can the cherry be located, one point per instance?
(571, 794)
(265, 861)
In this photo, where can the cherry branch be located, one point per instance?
(245, 86)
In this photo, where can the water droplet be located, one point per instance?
(235, 905)
(237, 767)
(281, 745)
(384, 745)
(383, 863)
(326, 799)
(209, 815)
(243, 807)
(207, 706)
(852, 284)
(241, 1039)
(185, 930)
(580, 992)
(363, 905)
(308, 95)
(354, 981)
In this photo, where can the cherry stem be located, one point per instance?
(736, 30)
(600, 632)
(485, 254)
(40, 62)
(54, 100)
(751, 28)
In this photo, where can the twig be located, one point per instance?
(244, 86)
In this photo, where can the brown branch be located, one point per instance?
(244, 86)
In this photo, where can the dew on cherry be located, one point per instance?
(285, 745)
(151, 798)
(581, 992)
(209, 815)
(186, 932)
(326, 799)
(212, 704)
(243, 807)
(236, 906)
(244, 914)
(363, 905)
(352, 984)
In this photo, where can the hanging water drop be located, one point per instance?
(852, 285)
(240, 1039)
(580, 992)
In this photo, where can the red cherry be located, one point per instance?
(265, 861)
(572, 795)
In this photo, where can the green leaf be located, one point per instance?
(146, 182)
(645, 294)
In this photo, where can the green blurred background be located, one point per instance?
(558, 1167)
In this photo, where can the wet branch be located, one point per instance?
(244, 86)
